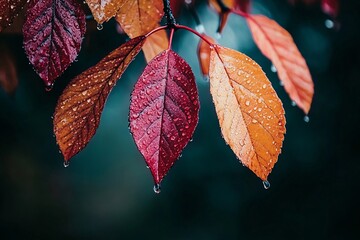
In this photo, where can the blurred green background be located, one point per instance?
(107, 191)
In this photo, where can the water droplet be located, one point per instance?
(281, 83)
(66, 163)
(206, 78)
(247, 103)
(307, 119)
(49, 87)
(218, 35)
(273, 68)
(147, 166)
(266, 184)
(293, 103)
(99, 27)
(329, 23)
(157, 188)
(200, 28)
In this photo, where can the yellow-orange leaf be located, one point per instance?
(155, 44)
(204, 54)
(77, 114)
(278, 45)
(103, 10)
(137, 17)
(250, 113)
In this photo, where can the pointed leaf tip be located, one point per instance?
(53, 33)
(77, 114)
(278, 45)
(164, 111)
(250, 113)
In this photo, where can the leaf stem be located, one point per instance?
(156, 30)
(170, 20)
(171, 37)
(177, 26)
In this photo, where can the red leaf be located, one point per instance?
(278, 45)
(330, 7)
(9, 9)
(164, 111)
(77, 114)
(53, 32)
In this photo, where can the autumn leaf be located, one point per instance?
(9, 9)
(243, 5)
(223, 11)
(155, 44)
(53, 32)
(138, 17)
(250, 113)
(204, 54)
(164, 111)
(77, 114)
(103, 10)
(278, 45)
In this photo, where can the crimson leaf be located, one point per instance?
(53, 32)
(164, 111)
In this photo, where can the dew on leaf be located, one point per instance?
(293, 103)
(266, 184)
(273, 68)
(157, 188)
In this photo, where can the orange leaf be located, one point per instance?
(278, 45)
(155, 44)
(250, 113)
(77, 114)
(103, 10)
(137, 17)
(204, 54)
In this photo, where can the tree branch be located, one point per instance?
(170, 20)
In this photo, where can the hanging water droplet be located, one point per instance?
(307, 119)
(266, 184)
(99, 27)
(200, 28)
(218, 35)
(273, 68)
(206, 78)
(293, 103)
(66, 163)
(157, 188)
(329, 23)
(49, 87)
(281, 83)
(147, 166)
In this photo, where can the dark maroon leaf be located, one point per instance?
(164, 111)
(9, 9)
(53, 32)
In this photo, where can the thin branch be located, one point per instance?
(170, 20)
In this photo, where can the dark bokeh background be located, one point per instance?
(106, 193)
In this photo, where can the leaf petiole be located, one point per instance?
(177, 26)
